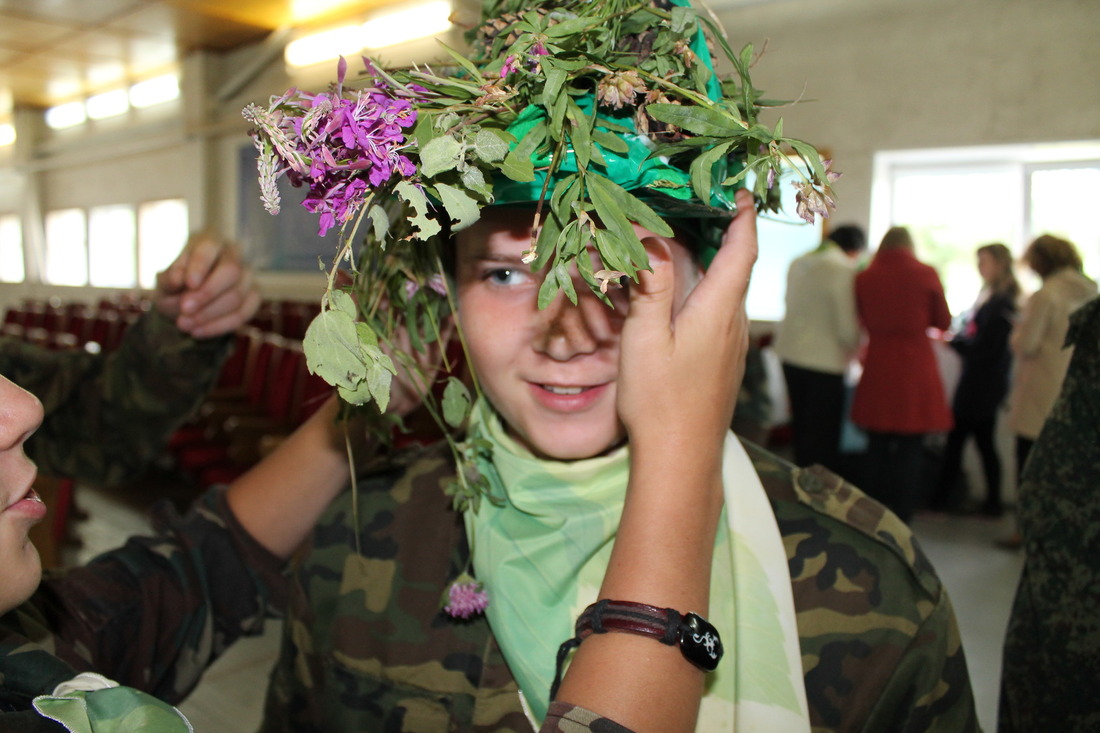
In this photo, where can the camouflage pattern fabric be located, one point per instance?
(1051, 667)
(108, 415)
(366, 647)
(151, 615)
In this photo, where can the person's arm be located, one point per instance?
(940, 313)
(662, 553)
(845, 317)
(108, 416)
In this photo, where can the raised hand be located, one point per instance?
(207, 291)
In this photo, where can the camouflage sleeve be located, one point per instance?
(565, 718)
(156, 612)
(107, 417)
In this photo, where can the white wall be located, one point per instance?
(898, 74)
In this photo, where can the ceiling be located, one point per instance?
(54, 51)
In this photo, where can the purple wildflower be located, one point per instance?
(465, 599)
(340, 144)
(510, 66)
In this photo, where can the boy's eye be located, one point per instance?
(505, 276)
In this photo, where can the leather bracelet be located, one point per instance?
(698, 640)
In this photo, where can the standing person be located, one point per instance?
(816, 341)
(1038, 343)
(982, 342)
(1052, 645)
(598, 434)
(900, 398)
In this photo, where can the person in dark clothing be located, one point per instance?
(982, 342)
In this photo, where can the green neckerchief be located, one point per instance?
(543, 552)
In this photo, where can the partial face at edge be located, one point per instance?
(20, 508)
(550, 374)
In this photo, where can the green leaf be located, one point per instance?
(568, 27)
(462, 209)
(619, 199)
(695, 119)
(473, 178)
(565, 280)
(365, 335)
(701, 170)
(684, 19)
(611, 142)
(378, 382)
(425, 226)
(491, 145)
(439, 155)
(517, 164)
(809, 154)
(380, 223)
(555, 78)
(548, 289)
(579, 132)
(332, 349)
(456, 402)
(339, 300)
(464, 62)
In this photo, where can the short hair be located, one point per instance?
(1048, 254)
(849, 238)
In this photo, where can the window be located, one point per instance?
(955, 200)
(162, 232)
(11, 250)
(66, 248)
(111, 252)
(111, 246)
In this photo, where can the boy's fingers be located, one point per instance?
(731, 267)
(652, 297)
(203, 254)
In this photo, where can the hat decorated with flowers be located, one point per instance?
(595, 114)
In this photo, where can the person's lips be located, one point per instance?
(567, 397)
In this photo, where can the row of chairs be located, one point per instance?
(264, 392)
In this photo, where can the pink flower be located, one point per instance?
(510, 65)
(465, 598)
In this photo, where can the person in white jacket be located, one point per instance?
(818, 336)
(1038, 339)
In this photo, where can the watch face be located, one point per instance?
(699, 642)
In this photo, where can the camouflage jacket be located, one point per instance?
(366, 647)
(1052, 647)
(151, 615)
(108, 415)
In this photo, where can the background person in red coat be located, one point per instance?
(900, 397)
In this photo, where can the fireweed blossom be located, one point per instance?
(342, 146)
(465, 598)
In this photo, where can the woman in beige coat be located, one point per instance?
(1037, 340)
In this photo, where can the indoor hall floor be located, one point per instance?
(980, 577)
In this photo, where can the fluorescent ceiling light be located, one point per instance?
(153, 91)
(108, 104)
(418, 21)
(66, 115)
(323, 46)
(7, 135)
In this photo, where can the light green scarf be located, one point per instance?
(542, 555)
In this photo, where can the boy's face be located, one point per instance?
(550, 374)
(20, 507)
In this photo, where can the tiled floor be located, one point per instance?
(980, 577)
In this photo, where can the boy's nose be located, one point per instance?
(568, 330)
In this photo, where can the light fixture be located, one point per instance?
(108, 104)
(318, 47)
(7, 134)
(70, 114)
(153, 91)
(418, 21)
